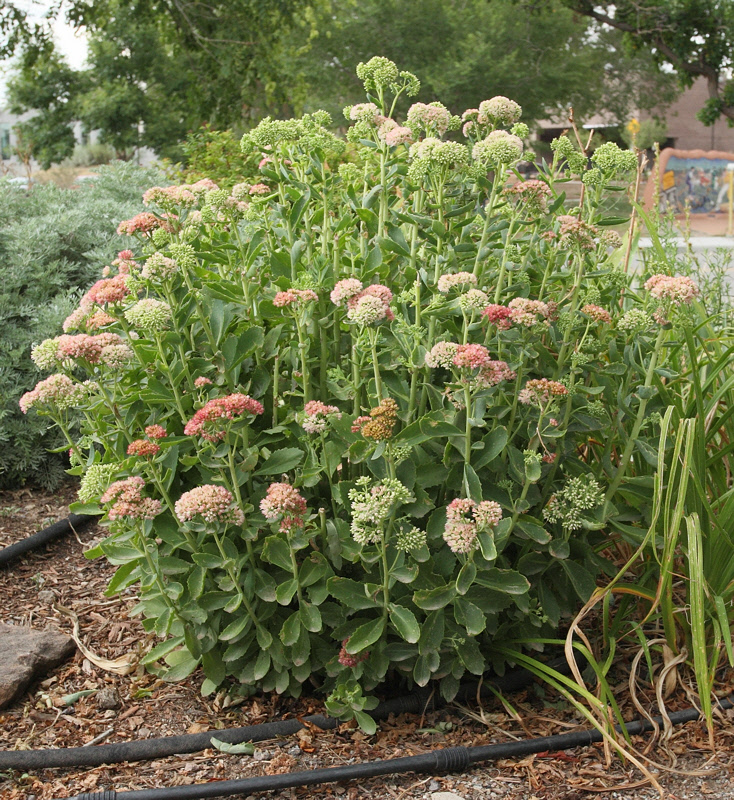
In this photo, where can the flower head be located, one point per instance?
(108, 290)
(57, 392)
(528, 312)
(499, 111)
(155, 432)
(499, 147)
(498, 315)
(143, 448)
(367, 309)
(441, 355)
(284, 502)
(294, 297)
(207, 421)
(677, 289)
(345, 290)
(380, 423)
(465, 519)
(210, 502)
(149, 314)
(431, 118)
(451, 280)
(541, 391)
(597, 313)
(127, 500)
(533, 195)
(95, 480)
(316, 415)
(159, 268)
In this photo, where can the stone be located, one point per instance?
(108, 699)
(446, 796)
(47, 596)
(27, 654)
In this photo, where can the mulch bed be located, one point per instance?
(59, 575)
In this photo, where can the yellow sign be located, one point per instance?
(633, 126)
(668, 180)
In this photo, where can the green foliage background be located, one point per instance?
(52, 241)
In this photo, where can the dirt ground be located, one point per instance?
(58, 574)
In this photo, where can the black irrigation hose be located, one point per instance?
(146, 749)
(452, 759)
(44, 536)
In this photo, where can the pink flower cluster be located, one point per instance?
(465, 519)
(82, 345)
(533, 194)
(107, 290)
(143, 223)
(448, 282)
(128, 501)
(498, 315)
(678, 289)
(170, 195)
(316, 416)
(155, 432)
(58, 391)
(526, 312)
(540, 391)
(345, 290)
(366, 112)
(597, 313)
(147, 448)
(441, 355)
(429, 116)
(349, 660)
(282, 500)
(143, 448)
(294, 297)
(125, 262)
(371, 305)
(493, 373)
(201, 382)
(471, 356)
(212, 503)
(574, 232)
(204, 422)
(393, 134)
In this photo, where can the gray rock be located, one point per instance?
(434, 786)
(47, 596)
(446, 796)
(26, 654)
(108, 699)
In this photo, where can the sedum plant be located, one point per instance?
(373, 415)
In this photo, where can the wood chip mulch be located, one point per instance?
(59, 575)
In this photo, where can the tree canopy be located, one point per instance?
(695, 37)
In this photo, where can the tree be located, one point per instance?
(695, 37)
(45, 82)
(468, 50)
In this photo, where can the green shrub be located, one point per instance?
(369, 418)
(51, 243)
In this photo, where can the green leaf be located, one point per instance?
(291, 630)
(277, 552)
(365, 635)
(281, 461)
(581, 579)
(487, 546)
(161, 650)
(244, 748)
(504, 580)
(311, 617)
(472, 484)
(350, 593)
(494, 444)
(470, 616)
(466, 577)
(533, 530)
(285, 591)
(234, 629)
(365, 722)
(433, 599)
(405, 623)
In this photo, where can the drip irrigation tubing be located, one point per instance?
(451, 759)
(44, 536)
(146, 749)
